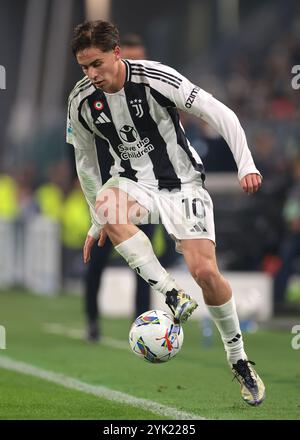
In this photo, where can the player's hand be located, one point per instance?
(102, 238)
(251, 183)
(89, 241)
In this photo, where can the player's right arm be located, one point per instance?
(82, 138)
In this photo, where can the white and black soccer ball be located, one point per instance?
(155, 337)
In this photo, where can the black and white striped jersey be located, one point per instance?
(141, 126)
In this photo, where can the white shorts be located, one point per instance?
(185, 213)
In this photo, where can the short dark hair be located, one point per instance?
(98, 33)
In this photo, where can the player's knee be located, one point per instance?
(204, 274)
(110, 229)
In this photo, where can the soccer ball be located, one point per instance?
(155, 337)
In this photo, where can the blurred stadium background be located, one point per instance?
(245, 54)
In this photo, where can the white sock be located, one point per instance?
(227, 322)
(138, 253)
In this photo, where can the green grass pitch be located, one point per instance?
(197, 381)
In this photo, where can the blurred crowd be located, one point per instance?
(58, 197)
(260, 87)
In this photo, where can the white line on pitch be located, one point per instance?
(74, 333)
(96, 390)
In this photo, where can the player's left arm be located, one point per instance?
(226, 123)
(192, 99)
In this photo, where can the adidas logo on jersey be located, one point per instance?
(102, 119)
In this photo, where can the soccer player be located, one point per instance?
(156, 173)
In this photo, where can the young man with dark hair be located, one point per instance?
(156, 173)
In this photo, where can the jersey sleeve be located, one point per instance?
(78, 133)
(86, 158)
(190, 98)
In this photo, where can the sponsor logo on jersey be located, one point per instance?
(128, 134)
(135, 151)
(137, 104)
(102, 119)
(98, 105)
(191, 98)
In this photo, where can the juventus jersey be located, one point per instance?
(141, 126)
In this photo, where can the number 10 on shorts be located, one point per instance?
(191, 207)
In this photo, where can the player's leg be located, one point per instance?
(96, 265)
(142, 290)
(200, 257)
(117, 210)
